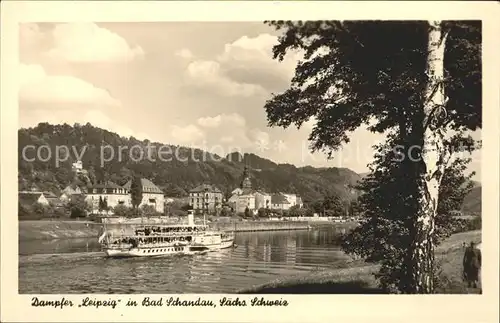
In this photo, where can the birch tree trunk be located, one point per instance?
(434, 157)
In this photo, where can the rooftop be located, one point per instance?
(106, 184)
(147, 186)
(72, 190)
(205, 188)
(279, 199)
(26, 198)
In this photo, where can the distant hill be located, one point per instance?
(175, 177)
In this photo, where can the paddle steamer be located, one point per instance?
(165, 239)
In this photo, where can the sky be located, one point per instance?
(185, 83)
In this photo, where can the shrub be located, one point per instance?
(263, 213)
(123, 211)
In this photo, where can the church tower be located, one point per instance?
(246, 184)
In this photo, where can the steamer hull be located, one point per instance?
(145, 252)
(165, 241)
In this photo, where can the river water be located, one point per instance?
(77, 265)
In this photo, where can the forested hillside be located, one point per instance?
(175, 176)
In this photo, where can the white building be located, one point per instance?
(206, 198)
(293, 199)
(245, 201)
(280, 202)
(262, 200)
(151, 195)
(113, 193)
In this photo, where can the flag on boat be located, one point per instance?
(103, 235)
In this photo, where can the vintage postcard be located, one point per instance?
(249, 161)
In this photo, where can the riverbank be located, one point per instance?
(61, 229)
(57, 229)
(359, 278)
(254, 226)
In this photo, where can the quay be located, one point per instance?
(69, 229)
(253, 226)
(59, 229)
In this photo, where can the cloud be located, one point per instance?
(256, 53)
(259, 138)
(38, 88)
(189, 134)
(211, 129)
(226, 139)
(233, 119)
(223, 132)
(99, 119)
(245, 67)
(87, 42)
(30, 36)
(184, 53)
(208, 74)
(210, 122)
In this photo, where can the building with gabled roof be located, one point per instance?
(70, 191)
(27, 198)
(206, 198)
(109, 191)
(294, 199)
(206, 188)
(151, 194)
(280, 201)
(115, 195)
(262, 200)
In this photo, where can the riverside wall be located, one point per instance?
(59, 229)
(251, 226)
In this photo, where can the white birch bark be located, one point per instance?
(434, 158)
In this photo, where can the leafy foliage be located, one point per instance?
(124, 211)
(130, 212)
(136, 192)
(78, 207)
(347, 79)
(103, 204)
(39, 211)
(384, 236)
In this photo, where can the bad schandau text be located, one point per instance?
(89, 302)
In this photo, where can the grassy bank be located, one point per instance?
(57, 229)
(359, 278)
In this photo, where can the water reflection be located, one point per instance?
(58, 246)
(74, 266)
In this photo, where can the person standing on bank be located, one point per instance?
(472, 265)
